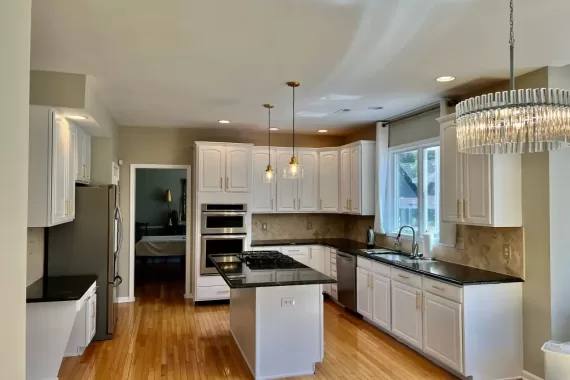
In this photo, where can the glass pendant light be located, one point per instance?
(531, 120)
(294, 170)
(269, 174)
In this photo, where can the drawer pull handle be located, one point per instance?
(406, 277)
(222, 291)
(438, 288)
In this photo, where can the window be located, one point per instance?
(413, 194)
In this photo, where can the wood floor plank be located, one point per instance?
(162, 336)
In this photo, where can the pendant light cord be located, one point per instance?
(512, 45)
(269, 130)
(293, 121)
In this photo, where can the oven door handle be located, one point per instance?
(229, 236)
(224, 213)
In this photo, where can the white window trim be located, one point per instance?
(391, 207)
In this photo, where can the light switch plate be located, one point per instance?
(287, 301)
(309, 225)
(506, 251)
(263, 226)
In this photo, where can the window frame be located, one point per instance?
(391, 202)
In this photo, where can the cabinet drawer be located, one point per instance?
(443, 289)
(265, 248)
(334, 292)
(407, 278)
(333, 274)
(364, 263)
(295, 250)
(333, 266)
(333, 259)
(381, 269)
(213, 292)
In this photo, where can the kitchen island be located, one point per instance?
(276, 312)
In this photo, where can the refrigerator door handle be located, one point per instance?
(117, 281)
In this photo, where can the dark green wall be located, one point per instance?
(151, 186)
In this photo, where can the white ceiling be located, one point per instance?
(188, 63)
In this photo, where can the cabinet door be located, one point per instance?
(316, 261)
(87, 156)
(407, 313)
(308, 186)
(381, 305)
(238, 168)
(328, 181)
(91, 317)
(363, 293)
(78, 146)
(327, 268)
(263, 193)
(211, 168)
(477, 189)
(344, 179)
(443, 331)
(450, 175)
(286, 188)
(355, 179)
(59, 174)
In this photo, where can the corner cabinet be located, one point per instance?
(478, 189)
(357, 176)
(224, 167)
(51, 176)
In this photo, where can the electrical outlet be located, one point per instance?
(506, 251)
(287, 301)
(263, 226)
(309, 225)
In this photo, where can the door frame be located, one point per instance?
(132, 186)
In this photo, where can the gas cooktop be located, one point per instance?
(260, 260)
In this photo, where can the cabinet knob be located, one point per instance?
(299, 203)
(458, 207)
(227, 182)
(465, 208)
(418, 301)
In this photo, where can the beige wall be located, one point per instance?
(15, 27)
(174, 146)
(57, 89)
(420, 127)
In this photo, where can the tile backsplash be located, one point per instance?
(482, 246)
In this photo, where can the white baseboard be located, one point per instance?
(529, 376)
(125, 299)
(189, 296)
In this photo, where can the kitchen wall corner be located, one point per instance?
(35, 261)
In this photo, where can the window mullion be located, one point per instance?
(421, 215)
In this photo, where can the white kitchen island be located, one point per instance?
(276, 315)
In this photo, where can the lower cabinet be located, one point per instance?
(407, 313)
(84, 326)
(364, 292)
(381, 296)
(443, 330)
(327, 268)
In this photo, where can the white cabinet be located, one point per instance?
(478, 189)
(298, 195)
(224, 167)
(381, 307)
(308, 186)
(364, 292)
(316, 258)
(299, 253)
(84, 326)
(82, 156)
(264, 194)
(327, 268)
(329, 180)
(51, 194)
(357, 176)
(443, 330)
(407, 313)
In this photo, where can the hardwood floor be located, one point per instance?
(163, 336)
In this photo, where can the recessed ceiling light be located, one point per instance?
(375, 108)
(322, 131)
(273, 129)
(311, 114)
(224, 121)
(76, 117)
(445, 78)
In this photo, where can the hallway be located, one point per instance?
(163, 336)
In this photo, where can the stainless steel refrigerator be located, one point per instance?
(90, 245)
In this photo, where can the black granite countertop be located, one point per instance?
(60, 288)
(239, 274)
(441, 270)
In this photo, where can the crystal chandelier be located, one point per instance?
(294, 170)
(531, 120)
(269, 174)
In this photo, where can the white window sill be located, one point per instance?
(408, 237)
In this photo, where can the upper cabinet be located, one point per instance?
(82, 156)
(298, 195)
(328, 180)
(478, 189)
(357, 176)
(51, 194)
(224, 167)
(264, 194)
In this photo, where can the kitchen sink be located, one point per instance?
(375, 251)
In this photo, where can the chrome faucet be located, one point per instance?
(415, 245)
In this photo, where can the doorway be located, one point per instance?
(160, 228)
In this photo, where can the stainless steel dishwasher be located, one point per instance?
(346, 278)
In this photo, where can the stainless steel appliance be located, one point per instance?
(370, 235)
(346, 277)
(214, 244)
(224, 219)
(90, 245)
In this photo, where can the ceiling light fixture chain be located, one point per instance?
(512, 44)
(268, 174)
(294, 170)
